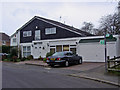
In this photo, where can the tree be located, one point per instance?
(110, 24)
(88, 27)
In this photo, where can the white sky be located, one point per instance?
(15, 14)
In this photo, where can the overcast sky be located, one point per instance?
(16, 14)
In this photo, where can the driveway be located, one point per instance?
(84, 66)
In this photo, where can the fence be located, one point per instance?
(113, 64)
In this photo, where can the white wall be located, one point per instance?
(37, 51)
(91, 52)
(17, 36)
(40, 49)
(11, 40)
(118, 45)
(95, 52)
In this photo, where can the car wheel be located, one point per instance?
(52, 65)
(66, 63)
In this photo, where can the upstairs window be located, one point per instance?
(37, 35)
(50, 31)
(27, 33)
(14, 40)
(3, 42)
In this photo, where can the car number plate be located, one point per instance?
(52, 58)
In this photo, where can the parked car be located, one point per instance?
(1, 54)
(64, 58)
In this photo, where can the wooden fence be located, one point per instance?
(113, 64)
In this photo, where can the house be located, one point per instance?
(40, 35)
(4, 39)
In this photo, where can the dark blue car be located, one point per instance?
(64, 58)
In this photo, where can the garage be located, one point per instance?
(93, 51)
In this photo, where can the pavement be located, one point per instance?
(91, 71)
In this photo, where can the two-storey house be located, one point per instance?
(40, 35)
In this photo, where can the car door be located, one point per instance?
(69, 57)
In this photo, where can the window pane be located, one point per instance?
(53, 30)
(29, 33)
(28, 53)
(24, 48)
(37, 35)
(37, 32)
(47, 31)
(14, 40)
(24, 34)
(52, 50)
(28, 48)
(24, 54)
(73, 50)
(50, 31)
(65, 47)
(59, 48)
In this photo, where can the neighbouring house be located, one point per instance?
(40, 35)
(4, 39)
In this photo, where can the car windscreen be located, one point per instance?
(58, 54)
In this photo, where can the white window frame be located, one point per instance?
(38, 35)
(26, 51)
(14, 40)
(50, 30)
(27, 33)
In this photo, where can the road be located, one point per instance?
(27, 76)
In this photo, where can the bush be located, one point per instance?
(6, 49)
(30, 57)
(44, 59)
(4, 57)
(14, 52)
(6, 60)
(40, 58)
(49, 54)
(18, 60)
(14, 58)
(23, 59)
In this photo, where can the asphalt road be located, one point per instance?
(27, 76)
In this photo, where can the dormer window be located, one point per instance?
(27, 33)
(50, 31)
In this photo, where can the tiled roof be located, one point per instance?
(4, 37)
(83, 33)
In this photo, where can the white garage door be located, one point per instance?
(94, 52)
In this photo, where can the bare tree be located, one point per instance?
(87, 27)
(110, 23)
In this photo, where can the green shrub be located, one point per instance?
(18, 60)
(30, 57)
(44, 59)
(40, 58)
(4, 57)
(14, 52)
(6, 49)
(23, 59)
(14, 58)
(49, 54)
(6, 60)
